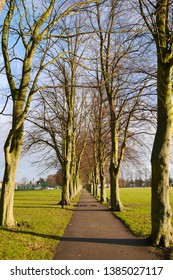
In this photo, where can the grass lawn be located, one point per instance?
(137, 209)
(42, 224)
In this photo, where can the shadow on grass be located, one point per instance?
(118, 241)
(54, 206)
(49, 236)
(42, 206)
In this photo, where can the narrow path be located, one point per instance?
(95, 234)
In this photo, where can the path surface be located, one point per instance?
(94, 233)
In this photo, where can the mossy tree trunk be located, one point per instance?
(65, 185)
(114, 169)
(67, 149)
(96, 164)
(12, 150)
(101, 162)
(161, 213)
(102, 181)
(101, 142)
(73, 167)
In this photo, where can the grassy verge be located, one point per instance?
(136, 215)
(42, 224)
(137, 204)
(137, 210)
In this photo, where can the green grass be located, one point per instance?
(42, 224)
(137, 203)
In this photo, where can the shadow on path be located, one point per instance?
(123, 241)
(126, 242)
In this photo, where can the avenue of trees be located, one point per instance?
(88, 82)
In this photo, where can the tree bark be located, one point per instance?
(159, 24)
(102, 183)
(7, 197)
(101, 170)
(65, 198)
(161, 213)
(116, 204)
(12, 151)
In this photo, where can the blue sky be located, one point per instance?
(25, 169)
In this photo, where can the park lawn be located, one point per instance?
(42, 223)
(137, 204)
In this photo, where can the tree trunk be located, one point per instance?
(12, 151)
(116, 204)
(7, 196)
(76, 180)
(102, 183)
(71, 184)
(161, 213)
(96, 178)
(114, 170)
(101, 157)
(65, 200)
(92, 188)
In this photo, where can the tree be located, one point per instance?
(59, 114)
(98, 136)
(116, 48)
(51, 180)
(33, 31)
(158, 18)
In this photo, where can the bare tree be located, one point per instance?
(60, 112)
(115, 49)
(49, 133)
(99, 134)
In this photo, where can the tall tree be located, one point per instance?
(98, 136)
(58, 114)
(157, 16)
(116, 44)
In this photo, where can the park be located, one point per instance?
(43, 222)
(86, 96)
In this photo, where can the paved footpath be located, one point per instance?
(94, 233)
